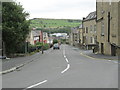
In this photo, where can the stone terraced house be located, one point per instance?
(89, 31)
(108, 27)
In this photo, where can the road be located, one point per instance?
(64, 68)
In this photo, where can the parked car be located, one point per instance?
(56, 46)
(3, 57)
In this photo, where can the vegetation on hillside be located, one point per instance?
(54, 25)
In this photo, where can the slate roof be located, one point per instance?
(74, 30)
(35, 33)
(92, 15)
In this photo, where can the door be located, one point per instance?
(102, 48)
(113, 50)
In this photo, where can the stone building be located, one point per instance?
(89, 31)
(81, 34)
(108, 27)
(74, 36)
(34, 37)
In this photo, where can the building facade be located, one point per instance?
(34, 37)
(45, 37)
(74, 36)
(108, 28)
(89, 31)
(81, 34)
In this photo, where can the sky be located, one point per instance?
(58, 9)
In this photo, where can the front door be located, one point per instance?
(102, 48)
(113, 50)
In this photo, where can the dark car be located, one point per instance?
(3, 57)
(56, 46)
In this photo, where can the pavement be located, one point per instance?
(98, 56)
(64, 68)
(90, 54)
(12, 64)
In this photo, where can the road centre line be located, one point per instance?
(66, 60)
(68, 66)
(64, 56)
(36, 84)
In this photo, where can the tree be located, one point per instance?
(55, 41)
(15, 26)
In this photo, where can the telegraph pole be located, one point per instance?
(42, 38)
(42, 42)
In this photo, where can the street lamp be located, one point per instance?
(42, 42)
(42, 37)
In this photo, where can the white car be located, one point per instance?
(56, 46)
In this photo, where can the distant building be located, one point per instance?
(74, 36)
(59, 35)
(50, 40)
(108, 27)
(45, 37)
(34, 37)
(81, 34)
(89, 31)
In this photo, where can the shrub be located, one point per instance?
(32, 48)
(39, 45)
(46, 46)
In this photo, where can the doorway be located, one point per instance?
(113, 50)
(102, 48)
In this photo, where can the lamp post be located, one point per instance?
(42, 37)
(42, 42)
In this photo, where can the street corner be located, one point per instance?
(97, 58)
(85, 55)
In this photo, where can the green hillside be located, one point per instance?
(54, 23)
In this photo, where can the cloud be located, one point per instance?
(58, 8)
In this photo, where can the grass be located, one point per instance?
(54, 23)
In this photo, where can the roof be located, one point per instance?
(35, 32)
(74, 30)
(92, 15)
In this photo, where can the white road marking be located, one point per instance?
(68, 66)
(64, 56)
(36, 84)
(66, 60)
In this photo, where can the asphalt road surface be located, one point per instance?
(64, 68)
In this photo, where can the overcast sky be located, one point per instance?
(58, 9)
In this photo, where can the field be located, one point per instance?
(54, 23)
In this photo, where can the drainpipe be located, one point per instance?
(108, 26)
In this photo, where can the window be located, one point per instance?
(84, 38)
(91, 40)
(86, 29)
(95, 39)
(94, 28)
(102, 29)
(90, 28)
(83, 30)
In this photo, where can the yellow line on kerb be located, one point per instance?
(94, 58)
